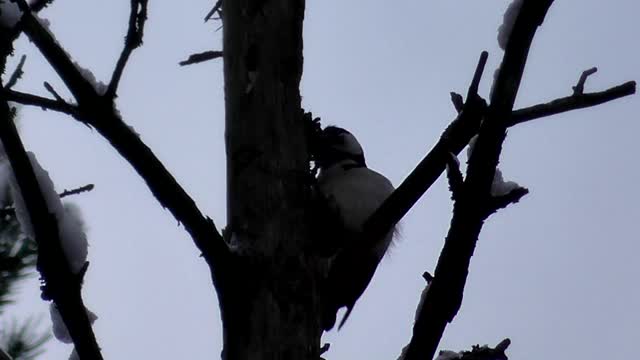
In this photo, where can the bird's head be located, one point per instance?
(339, 145)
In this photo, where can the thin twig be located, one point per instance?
(17, 74)
(201, 57)
(41, 102)
(477, 75)
(76, 191)
(579, 88)
(457, 136)
(10, 210)
(53, 92)
(216, 8)
(457, 100)
(137, 19)
(570, 103)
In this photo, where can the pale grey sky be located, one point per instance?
(556, 273)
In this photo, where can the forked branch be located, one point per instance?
(60, 284)
(460, 132)
(453, 140)
(217, 8)
(472, 202)
(573, 102)
(133, 40)
(100, 112)
(41, 102)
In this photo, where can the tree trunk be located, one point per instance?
(268, 298)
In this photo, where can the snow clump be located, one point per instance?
(509, 19)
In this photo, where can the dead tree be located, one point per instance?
(266, 279)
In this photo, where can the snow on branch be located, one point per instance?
(499, 187)
(60, 330)
(509, 18)
(37, 5)
(459, 134)
(11, 33)
(10, 14)
(444, 298)
(58, 233)
(69, 222)
(100, 112)
(37, 31)
(10, 210)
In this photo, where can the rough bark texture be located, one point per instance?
(268, 301)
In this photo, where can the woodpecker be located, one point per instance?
(353, 192)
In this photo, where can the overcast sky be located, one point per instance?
(557, 273)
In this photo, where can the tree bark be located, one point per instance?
(268, 297)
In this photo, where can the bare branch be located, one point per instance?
(76, 191)
(216, 9)
(137, 19)
(201, 57)
(55, 55)
(100, 113)
(453, 140)
(17, 74)
(10, 210)
(570, 103)
(444, 298)
(477, 75)
(60, 284)
(53, 92)
(457, 136)
(44, 103)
